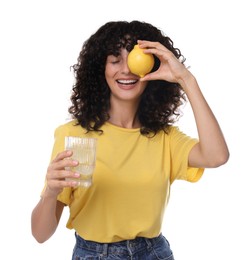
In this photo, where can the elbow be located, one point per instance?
(40, 234)
(219, 160)
(38, 238)
(40, 241)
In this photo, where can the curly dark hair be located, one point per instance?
(159, 103)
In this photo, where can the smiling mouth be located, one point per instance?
(127, 81)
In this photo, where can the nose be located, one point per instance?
(125, 67)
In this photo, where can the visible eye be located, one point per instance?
(114, 61)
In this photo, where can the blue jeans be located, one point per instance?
(137, 249)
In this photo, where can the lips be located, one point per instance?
(127, 81)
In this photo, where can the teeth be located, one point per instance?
(127, 81)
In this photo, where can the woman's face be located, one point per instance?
(123, 84)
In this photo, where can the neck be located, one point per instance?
(124, 115)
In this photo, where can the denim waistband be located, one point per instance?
(125, 246)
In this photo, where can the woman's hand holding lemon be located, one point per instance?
(170, 69)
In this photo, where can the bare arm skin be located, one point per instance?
(45, 218)
(212, 150)
(47, 213)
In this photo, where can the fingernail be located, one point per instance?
(75, 183)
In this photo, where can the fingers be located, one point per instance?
(155, 48)
(62, 174)
(160, 51)
(147, 77)
(55, 186)
(59, 170)
(151, 45)
(62, 155)
(171, 68)
(62, 160)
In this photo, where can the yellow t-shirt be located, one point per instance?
(131, 182)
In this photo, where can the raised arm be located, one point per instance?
(212, 150)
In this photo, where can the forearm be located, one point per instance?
(212, 147)
(45, 218)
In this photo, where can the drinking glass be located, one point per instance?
(84, 151)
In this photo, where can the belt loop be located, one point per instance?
(148, 242)
(128, 244)
(105, 250)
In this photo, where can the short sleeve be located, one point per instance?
(180, 147)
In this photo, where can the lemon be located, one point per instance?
(140, 63)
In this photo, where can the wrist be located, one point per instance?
(49, 193)
(187, 80)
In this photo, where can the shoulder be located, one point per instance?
(175, 135)
(69, 128)
(172, 130)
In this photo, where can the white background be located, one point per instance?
(40, 40)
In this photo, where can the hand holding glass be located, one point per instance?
(84, 151)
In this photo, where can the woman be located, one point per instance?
(140, 153)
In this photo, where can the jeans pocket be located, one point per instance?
(82, 254)
(162, 250)
(163, 256)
